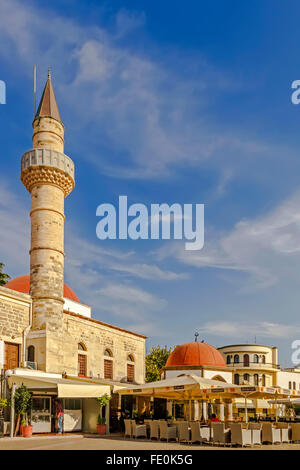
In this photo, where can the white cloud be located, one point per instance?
(249, 330)
(151, 272)
(267, 248)
(150, 113)
(14, 232)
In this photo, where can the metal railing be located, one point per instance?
(259, 365)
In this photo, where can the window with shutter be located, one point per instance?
(108, 369)
(130, 373)
(82, 365)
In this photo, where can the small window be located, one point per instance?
(236, 379)
(294, 385)
(263, 380)
(263, 359)
(255, 379)
(290, 385)
(236, 359)
(30, 354)
(246, 360)
(228, 359)
(255, 359)
(108, 353)
(81, 347)
(246, 378)
(130, 358)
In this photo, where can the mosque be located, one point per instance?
(48, 338)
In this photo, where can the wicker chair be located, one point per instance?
(240, 436)
(256, 433)
(138, 430)
(167, 432)
(295, 432)
(195, 432)
(154, 430)
(183, 432)
(270, 434)
(284, 432)
(220, 434)
(128, 431)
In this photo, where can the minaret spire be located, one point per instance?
(48, 104)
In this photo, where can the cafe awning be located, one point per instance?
(55, 383)
(82, 390)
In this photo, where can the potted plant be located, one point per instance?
(23, 404)
(101, 422)
(101, 425)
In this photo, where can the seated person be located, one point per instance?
(214, 418)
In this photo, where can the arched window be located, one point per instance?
(228, 359)
(236, 359)
(30, 354)
(82, 359)
(263, 359)
(255, 358)
(130, 368)
(263, 380)
(246, 378)
(294, 385)
(108, 365)
(255, 379)
(236, 379)
(246, 360)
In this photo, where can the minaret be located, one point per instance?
(48, 174)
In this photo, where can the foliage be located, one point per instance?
(101, 420)
(23, 400)
(104, 400)
(4, 278)
(155, 360)
(3, 403)
(134, 414)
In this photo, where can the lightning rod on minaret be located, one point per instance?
(34, 89)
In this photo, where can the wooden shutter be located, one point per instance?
(130, 372)
(82, 365)
(11, 356)
(108, 369)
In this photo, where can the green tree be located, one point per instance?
(155, 360)
(3, 277)
(23, 404)
(103, 402)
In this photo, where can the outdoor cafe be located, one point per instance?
(207, 416)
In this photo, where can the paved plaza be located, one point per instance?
(94, 442)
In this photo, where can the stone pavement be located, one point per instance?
(113, 442)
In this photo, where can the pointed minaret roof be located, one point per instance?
(48, 105)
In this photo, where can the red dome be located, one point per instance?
(22, 284)
(195, 354)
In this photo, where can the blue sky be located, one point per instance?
(185, 102)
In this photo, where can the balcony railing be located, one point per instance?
(254, 365)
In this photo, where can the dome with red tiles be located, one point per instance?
(195, 354)
(22, 284)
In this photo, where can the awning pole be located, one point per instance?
(246, 411)
(12, 410)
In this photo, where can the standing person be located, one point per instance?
(59, 413)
